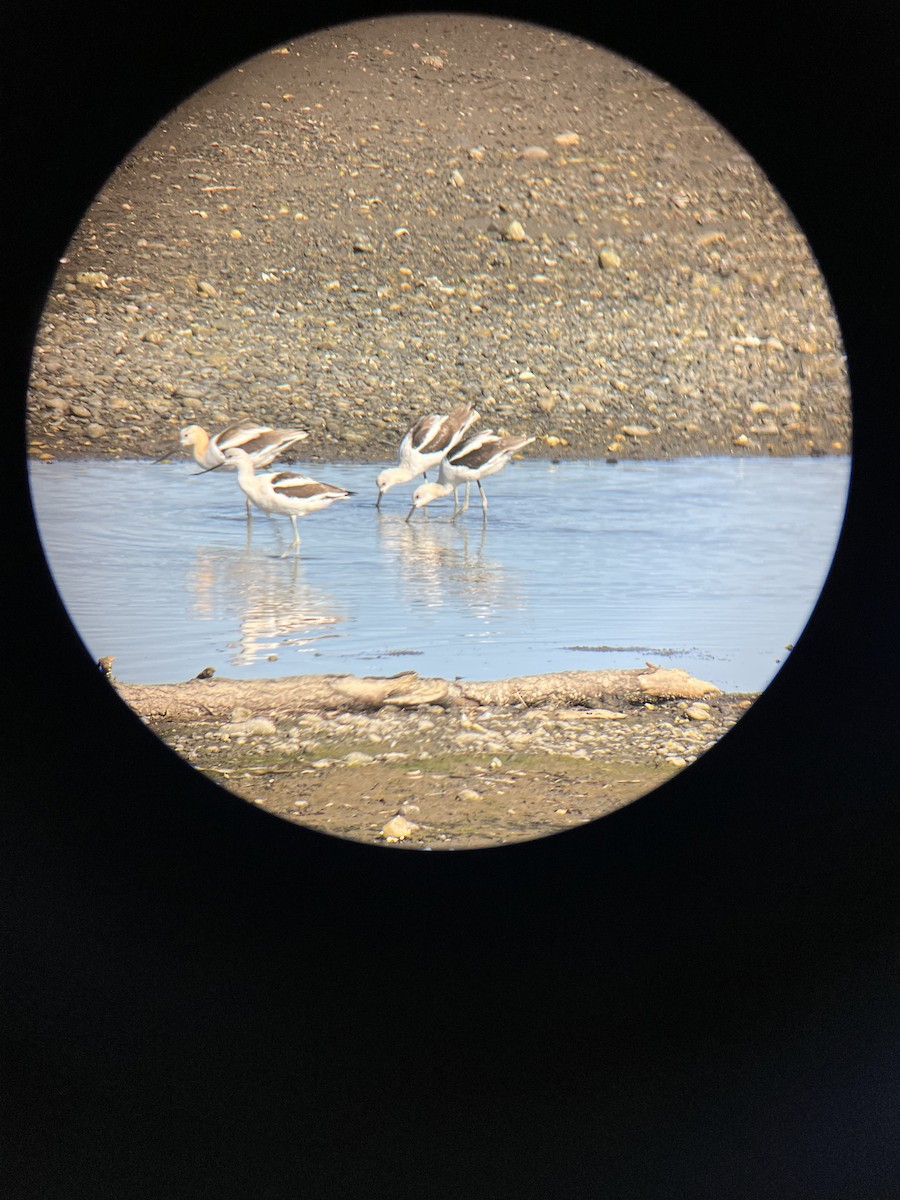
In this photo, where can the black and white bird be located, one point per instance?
(481, 455)
(425, 444)
(282, 492)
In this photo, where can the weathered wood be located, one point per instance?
(216, 699)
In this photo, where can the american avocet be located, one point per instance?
(425, 444)
(282, 492)
(483, 454)
(261, 442)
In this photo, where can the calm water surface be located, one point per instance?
(709, 564)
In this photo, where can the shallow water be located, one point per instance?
(709, 564)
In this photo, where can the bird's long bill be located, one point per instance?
(378, 501)
(168, 454)
(410, 513)
(206, 470)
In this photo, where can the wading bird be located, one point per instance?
(282, 492)
(425, 444)
(483, 454)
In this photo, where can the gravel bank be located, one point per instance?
(438, 778)
(398, 215)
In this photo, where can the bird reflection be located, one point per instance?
(271, 600)
(445, 565)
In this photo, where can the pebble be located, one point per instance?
(399, 828)
(357, 758)
(608, 259)
(698, 712)
(254, 727)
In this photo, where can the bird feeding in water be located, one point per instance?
(484, 454)
(425, 444)
(282, 492)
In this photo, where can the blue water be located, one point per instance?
(709, 564)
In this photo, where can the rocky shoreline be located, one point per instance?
(436, 778)
(435, 764)
(389, 218)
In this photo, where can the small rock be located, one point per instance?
(363, 246)
(95, 431)
(514, 232)
(636, 431)
(456, 179)
(356, 758)
(467, 794)
(567, 139)
(206, 289)
(741, 440)
(399, 828)
(608, 259)
(535, 153)
(97, 279)
(255, 726)
(698, 712)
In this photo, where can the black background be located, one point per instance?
(694, 997)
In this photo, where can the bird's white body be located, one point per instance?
(261, 442)
(426, 444)
(282, 492)
(482, 455)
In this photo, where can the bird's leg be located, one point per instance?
(295, 544)
(465, 498)
(483, 499)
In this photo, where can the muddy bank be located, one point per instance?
(487, 764)
(390, 218)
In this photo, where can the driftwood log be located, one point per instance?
(216, 699)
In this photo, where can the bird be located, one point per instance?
(282, 492)
(425, 444)
(261, 442)
(481, 455)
